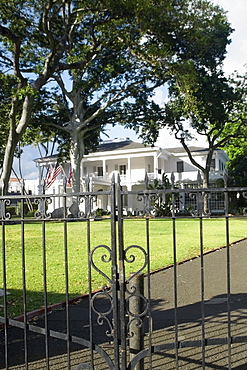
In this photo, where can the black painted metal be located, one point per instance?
(118, 318)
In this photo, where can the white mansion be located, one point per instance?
(132, 161)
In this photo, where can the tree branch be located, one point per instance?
(193, 161)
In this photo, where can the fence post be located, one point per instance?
(136, 327)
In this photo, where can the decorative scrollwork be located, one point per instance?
(149, 200)
(88, 200)
(144, 305)
(138, 323)
(5, 215)
(102, 316)
(104, 258)
(137, 305)
(200, 204)
(132, 258)
(42, 203)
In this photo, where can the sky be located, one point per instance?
(235, 60)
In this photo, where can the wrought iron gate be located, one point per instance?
(121, 313)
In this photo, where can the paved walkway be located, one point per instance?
(189, 318)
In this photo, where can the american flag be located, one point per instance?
(52, 174)
(70, 176)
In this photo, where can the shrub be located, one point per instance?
(100, 212)
(11, 210)
(25, 208)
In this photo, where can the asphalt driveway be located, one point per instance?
(189, 319)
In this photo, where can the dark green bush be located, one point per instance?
(100, 212)
(11, 210)
(25, 208)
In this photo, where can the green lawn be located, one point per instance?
(161, 253)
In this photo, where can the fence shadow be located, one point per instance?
(189, 321)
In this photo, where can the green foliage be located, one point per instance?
(27, 208)
(11, 210)
(162, 202)
(113, 52)
(100, 212)
(237, 171)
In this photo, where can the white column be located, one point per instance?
(129, 171)
(155, 166)
(130, 198)
(104, 167)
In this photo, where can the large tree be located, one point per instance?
(208, 105)
(112, 50)
(40, 39)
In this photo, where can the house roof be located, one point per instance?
(106, 146)
(120, 145)
(181, 149)
(126, 145)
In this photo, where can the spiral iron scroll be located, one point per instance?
(88, 200)
(42, 203)
(133, 293)
(5, 215)
(199, 210)
(105, 292)
(245, 209)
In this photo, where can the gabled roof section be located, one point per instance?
(182, 150)
(112, 145)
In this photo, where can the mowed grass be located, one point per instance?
(49, 266)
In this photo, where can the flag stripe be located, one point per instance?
(70, 177)
(52, 175)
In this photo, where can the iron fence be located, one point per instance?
(134, 313)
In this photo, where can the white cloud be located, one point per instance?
(160, 96)
(236, 56)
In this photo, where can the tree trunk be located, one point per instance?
(15, 135)
(8, 161)
(76, 154)
(77, 151)
(205, 183)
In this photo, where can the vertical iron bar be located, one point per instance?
(228, 293)
(149, 295)
(66, 274)
(24, 283)
(202, 293)
(175, 287)
(226, 200)
(147, 203)
(90, 292)
(121, 267)
(114, 273)
(5, 295)
(45, 293)
(88, 213)
(175, 267)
